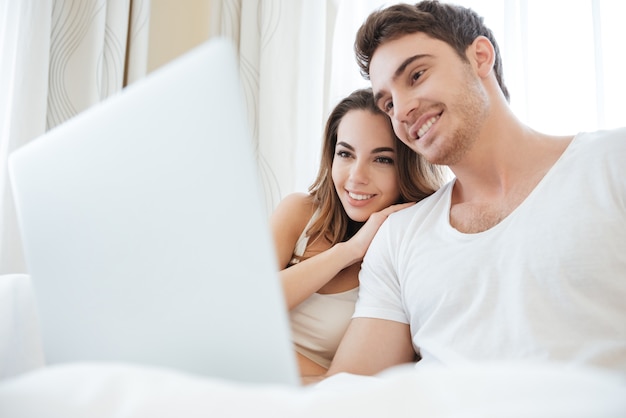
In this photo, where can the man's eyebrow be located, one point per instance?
(406, 63)
(377, 97)
(401, 68)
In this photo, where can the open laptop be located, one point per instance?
(144, 230)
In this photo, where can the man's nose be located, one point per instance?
(404, 104)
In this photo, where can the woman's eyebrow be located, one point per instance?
(374, 151)
(382, 149)
(345, 144)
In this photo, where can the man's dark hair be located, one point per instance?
(455, 25)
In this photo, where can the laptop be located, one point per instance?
(145, 234)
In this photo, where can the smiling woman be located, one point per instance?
(365, 174)
(568, 79)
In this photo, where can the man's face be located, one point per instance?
(435, 100)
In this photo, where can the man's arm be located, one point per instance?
(372, 345)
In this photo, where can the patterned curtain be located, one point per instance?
(59, 57)
(285, 57)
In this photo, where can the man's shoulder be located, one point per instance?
(422, 209)
(616, 136)
(429, 202)
(603, 146)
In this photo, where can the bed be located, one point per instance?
(29, 388)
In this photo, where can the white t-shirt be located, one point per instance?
(548, 283)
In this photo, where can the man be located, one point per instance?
(522, 257)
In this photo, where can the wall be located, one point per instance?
(176, 26)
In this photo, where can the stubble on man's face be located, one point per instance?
(468, 111)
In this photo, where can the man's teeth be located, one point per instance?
(360, 196)
(425, 127)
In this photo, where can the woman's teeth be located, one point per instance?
(360, 196)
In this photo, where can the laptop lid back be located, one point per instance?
(144, 230)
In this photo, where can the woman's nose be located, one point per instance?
(359, 172)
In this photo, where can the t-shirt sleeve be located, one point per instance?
(379, 289)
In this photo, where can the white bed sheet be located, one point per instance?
(27, 389)
(21, 349)
(119, 390)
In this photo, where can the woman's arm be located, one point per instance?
(305, 278)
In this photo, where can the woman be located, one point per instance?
(365, 174)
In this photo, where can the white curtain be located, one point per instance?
(59, 57)
(563, 64)
(284, 50)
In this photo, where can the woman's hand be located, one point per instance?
(363, 238)
(308, 276)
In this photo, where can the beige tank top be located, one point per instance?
(319, 322)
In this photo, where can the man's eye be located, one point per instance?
(388, 106)
(417, 75)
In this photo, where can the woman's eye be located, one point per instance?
(384, 160)
(343, 154)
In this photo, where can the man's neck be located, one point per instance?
(498, 174)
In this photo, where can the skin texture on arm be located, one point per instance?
(371, 345)
(305, 278)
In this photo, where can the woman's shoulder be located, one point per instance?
(298, 200)
(295, 210)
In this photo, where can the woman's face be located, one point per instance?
(364, 171)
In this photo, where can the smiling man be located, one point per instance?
(522, 256)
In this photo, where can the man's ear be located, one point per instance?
(482, 55)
